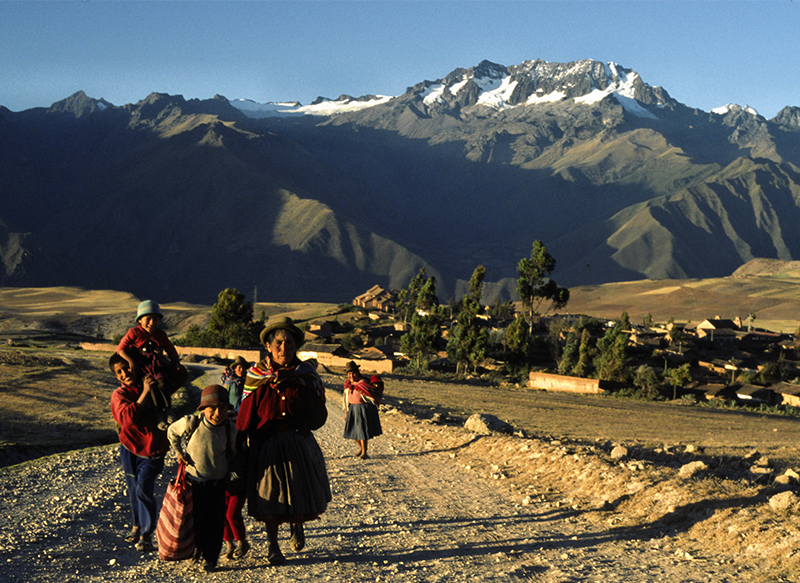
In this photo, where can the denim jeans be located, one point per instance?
(140, 477)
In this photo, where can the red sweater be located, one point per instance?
(139, 432)
(137, 337)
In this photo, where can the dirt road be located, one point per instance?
(433, 503)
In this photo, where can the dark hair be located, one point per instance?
(115, 359)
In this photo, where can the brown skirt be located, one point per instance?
(287, 480)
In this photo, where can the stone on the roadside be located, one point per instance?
(783, 502)
(619, 452)
(692, 469)
(487, 424)
(762, 462)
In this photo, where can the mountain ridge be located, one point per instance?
(337, 203)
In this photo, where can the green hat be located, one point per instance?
(148, 307)
(283, 323)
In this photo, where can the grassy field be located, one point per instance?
(774, 299)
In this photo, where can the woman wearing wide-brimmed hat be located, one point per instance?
(361, 400)
(287, 481)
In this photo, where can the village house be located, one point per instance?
(756, 395)
(789, 394)
(376, 298)
(717, 331)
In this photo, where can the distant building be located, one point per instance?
(755, 395)
(718, 331)
(376, 298)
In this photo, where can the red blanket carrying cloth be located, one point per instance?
(372, 389)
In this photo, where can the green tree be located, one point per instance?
(646, 381)
(502, 310)
(469, 338)
(585, 355)
(426, 298)
(517, 335)
(678, 377)
(534, 285)
(569, 356)
(421, 341)
(231, 324)
(407, 298)
(611, 358)
(476, 287)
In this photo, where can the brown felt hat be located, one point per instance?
(239, 362)
(351, 367)
(214, 396)
(283, 323)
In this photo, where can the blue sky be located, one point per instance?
(704, 53)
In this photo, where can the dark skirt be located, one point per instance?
(362, 422)
(287, 480)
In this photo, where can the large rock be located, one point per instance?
(783, 502)
(486, 424)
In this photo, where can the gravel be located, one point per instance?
(433, 503)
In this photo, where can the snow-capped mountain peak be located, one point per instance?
(733, 108)
(500, 87)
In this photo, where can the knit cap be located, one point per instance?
(148, 307)
(214, 396)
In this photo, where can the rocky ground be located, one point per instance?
(436, 502)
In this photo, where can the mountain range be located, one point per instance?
(177, 199)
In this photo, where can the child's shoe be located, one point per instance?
(241, 550)
(230, 549)
(145, 544)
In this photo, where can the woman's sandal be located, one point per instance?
(298, 538)
(133, 535)
(275, 556)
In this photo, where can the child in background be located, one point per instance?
(143, 446)
(207, 452)
(235, 536)
(233, 378)
(144, 347)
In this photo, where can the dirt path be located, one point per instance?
(429, 505)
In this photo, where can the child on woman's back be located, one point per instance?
(207, 446)
(144, 347)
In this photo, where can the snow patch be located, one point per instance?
(433, 94)
(735, 108)
(288, 109)
(549, 98)
(496, 92)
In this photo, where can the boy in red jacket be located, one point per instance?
(143, 445)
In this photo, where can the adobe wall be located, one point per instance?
(250, 355)
(554, 382)
(331, 361)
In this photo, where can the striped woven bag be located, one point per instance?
(175, 528)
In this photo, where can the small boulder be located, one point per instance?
(692, 469)
(486, 424)
(619, 452)
(783, 502)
